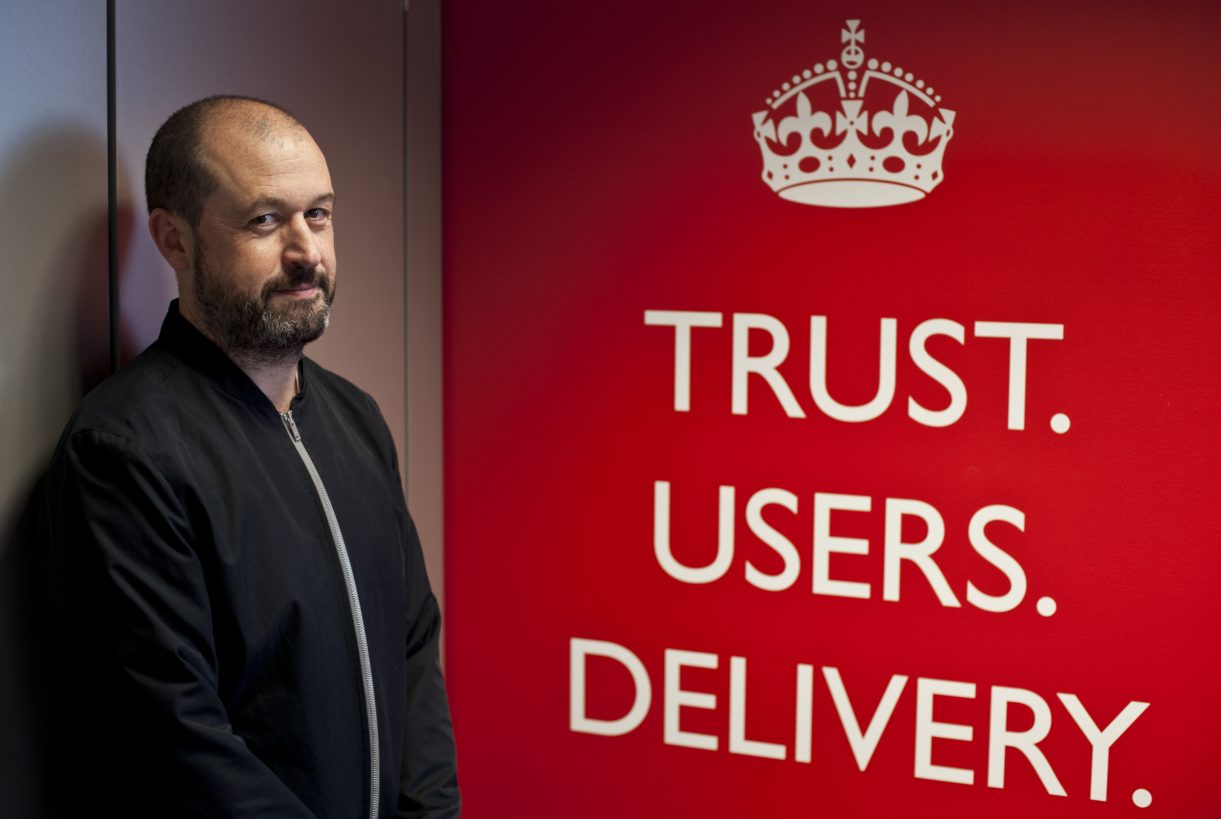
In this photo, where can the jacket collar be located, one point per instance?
(183, 340)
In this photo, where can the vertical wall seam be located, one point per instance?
(112, 193)
(405, 472)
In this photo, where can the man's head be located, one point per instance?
(240, 203)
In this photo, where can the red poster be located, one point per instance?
(832, 401)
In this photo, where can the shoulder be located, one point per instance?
(119, 444)
(122, 406)
(155, 406)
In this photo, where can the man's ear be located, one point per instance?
(172, 237)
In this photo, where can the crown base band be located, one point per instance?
(851, 193)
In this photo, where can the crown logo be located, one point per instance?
(853, 134)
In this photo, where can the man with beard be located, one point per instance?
(238, 587)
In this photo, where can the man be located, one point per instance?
(239, 588)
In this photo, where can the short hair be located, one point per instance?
(176, 177)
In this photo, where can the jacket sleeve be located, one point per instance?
(428, 783)
(130, 593)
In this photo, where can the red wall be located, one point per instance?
(1031, 563)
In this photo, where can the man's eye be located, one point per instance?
(317, 213)
(263, 220)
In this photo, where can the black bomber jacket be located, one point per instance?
(241, 597)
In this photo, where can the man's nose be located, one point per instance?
(302, 247)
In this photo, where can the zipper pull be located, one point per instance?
(291, 425)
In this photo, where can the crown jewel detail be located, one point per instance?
(853, 133)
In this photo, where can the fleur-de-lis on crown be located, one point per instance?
(901, 122)
(806, 120)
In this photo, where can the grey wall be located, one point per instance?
(340, 68)
(53, 327)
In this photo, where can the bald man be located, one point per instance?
(239, 589)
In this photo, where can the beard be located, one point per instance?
(256, 329)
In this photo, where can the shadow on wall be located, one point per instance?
(53, 348)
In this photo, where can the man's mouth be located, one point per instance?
(300, 291)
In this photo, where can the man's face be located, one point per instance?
(263, 270)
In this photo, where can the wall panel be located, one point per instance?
(53, 331)
(801, 352)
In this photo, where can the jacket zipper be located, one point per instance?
(349, 579)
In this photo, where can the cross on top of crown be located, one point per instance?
(853, 34)
(853, 55)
